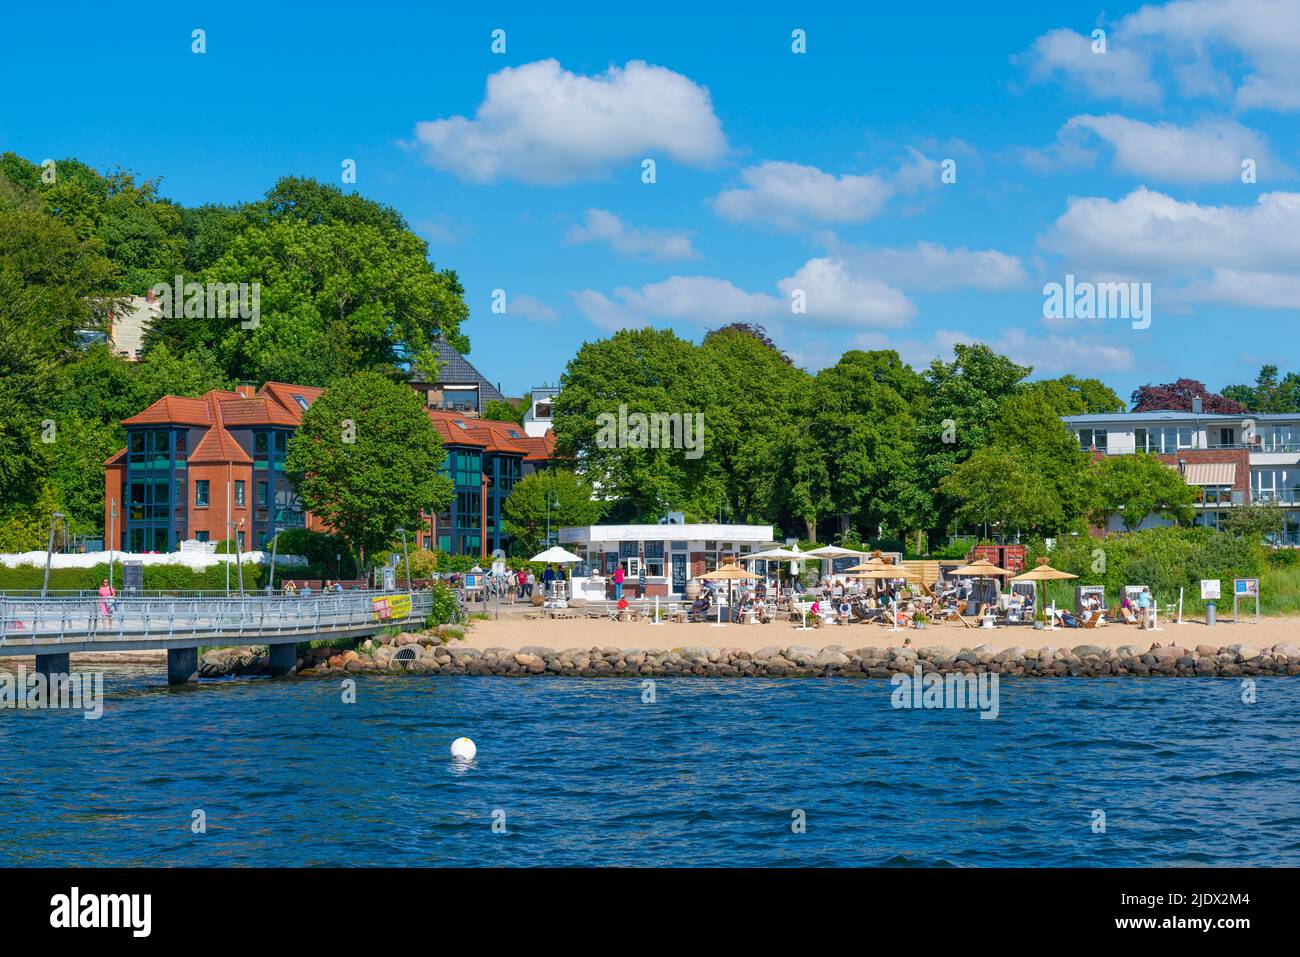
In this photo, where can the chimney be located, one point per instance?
(1197, 405)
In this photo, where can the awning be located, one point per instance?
(1211, 473)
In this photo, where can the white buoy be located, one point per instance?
(463, 749)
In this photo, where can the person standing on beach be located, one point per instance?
(548, 579)
(523, 581)
(529, 583)
(618, 582)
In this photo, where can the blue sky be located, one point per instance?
(777, 174)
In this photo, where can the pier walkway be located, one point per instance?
(56, 626)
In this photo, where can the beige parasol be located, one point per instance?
(729, 572)
(1043, 572)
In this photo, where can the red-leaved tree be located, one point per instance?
(1177, 397)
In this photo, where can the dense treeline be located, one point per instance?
(345, 287)
(868, 449)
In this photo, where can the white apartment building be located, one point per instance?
(1232, 460)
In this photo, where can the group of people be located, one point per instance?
(526, 581)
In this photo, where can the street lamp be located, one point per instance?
(407, 560)
(49, 550)
(275, 546)
(549, 505)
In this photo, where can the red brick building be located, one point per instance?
(209, 469)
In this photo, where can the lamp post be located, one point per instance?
(406, 559)
(49, 550)
(112, 531)
(275, 547)
(552, 501)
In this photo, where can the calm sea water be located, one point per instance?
(710, 774)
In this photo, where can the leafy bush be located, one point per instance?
(1166, 559)
(156, 577)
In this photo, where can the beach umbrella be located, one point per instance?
(556, 556)
(886, 571)
(776, 555)
(981, 568)
(729, 572)
(1043, 572)
(828, 553)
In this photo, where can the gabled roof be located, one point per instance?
(491, 435)
(274, 405)
(287, 395)
(455, 369)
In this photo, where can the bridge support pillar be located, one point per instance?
(284, 657)
(56, 664)
(182, 665)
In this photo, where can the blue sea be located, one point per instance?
(713, 772)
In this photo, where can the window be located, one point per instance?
(200, 493)
(262, 500)
(1092, 439)
(1227, 436)
(654, 558)
(201, 536)
(239, 541)
(301, 400)
(180, 441)
(239, 493)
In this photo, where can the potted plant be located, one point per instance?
(919, 620)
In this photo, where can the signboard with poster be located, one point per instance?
(1210, 589)
(391, 606)
(1245, 588)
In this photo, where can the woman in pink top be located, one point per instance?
(105, 593)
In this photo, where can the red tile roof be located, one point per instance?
(491, 435)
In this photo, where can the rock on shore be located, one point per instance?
(428, 654)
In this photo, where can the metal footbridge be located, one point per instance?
(54, 626)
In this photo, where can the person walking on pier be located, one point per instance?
(105, 594)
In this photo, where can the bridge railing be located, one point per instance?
(240, 617)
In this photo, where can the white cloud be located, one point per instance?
(1201, 40)
(602, 226)
(790, 194)
(1211, 151)
(530, 308)
(542, 124)
(1119, 72)
(1248, 255)
(695, 300)
(1049, 354)
(838, 296)
(833, 295)
(931, 266)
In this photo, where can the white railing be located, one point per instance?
(33, 620)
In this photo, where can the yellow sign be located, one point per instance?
(392, 606)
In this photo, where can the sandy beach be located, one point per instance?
(515, 632)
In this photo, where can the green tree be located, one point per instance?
(1029, 425)
(1135, 486)
(366, 460)
(962, 402)
(525, 514)
(640, 371)
(1070, 395)
(1000, 488)
(503, 410)
(334, 299)
(752, 418)
(863, 429)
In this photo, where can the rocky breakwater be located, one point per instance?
(425, 654)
